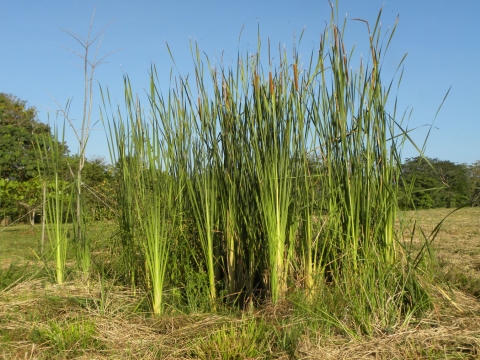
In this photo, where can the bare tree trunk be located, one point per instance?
(28, 208)
(32, 218)
(89, 66)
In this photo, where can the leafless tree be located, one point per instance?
(89, 54)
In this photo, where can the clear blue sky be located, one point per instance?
(441, 38)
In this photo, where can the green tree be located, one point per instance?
(432, 183)
(456, 179)
(474, 171)
(18, 130)
(97, 184)
(22, 197)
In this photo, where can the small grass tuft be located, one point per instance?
(247, 338)
(68, 338)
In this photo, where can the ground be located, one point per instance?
(96, 319)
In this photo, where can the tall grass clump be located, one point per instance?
(121, 151)
(58, 199)
(148, 195)
(290, 176)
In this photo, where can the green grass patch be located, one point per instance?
(69, 338)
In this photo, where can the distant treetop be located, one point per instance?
(19, 127)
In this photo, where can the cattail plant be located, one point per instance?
(290, 177)
(122, 151)
(58, 199)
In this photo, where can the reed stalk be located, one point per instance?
(58, 199)
(290, 174)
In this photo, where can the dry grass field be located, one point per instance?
(96, 319)
(456, 246)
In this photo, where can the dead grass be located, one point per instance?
(120, 332)
(32, 307)
(99, 320)
(456, 246)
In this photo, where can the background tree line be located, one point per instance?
(433, 183)
(21, 187)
